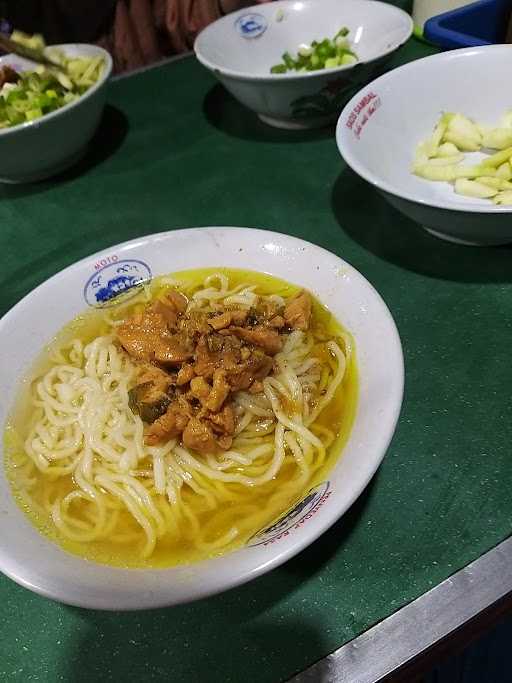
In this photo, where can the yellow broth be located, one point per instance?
(270, 500)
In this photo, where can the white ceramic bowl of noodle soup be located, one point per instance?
(47, 146)
(380, 127)
(42, 566)
(241, 48)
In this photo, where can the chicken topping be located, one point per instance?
(185, 374)
(198, 436)
(177, 300)
(142, 333)
(220, 391)
(238, 317)
(192, 361)
(219, 322)
(170, 425)
(277, 321)
(297, 312)
(266, 337)
(200, 389)
(167, 312)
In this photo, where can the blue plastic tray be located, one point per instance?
(481, 23)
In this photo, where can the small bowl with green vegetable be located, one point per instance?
(435, 137)
(296, 63)
(48, 116)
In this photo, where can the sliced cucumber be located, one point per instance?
(504, 198)
(463, 133)
(504, 171)
(439, 158)
(497, 138)
(472, 188)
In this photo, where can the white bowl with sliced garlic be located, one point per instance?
(435, 137)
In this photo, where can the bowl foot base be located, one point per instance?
(292, 124)
(47, 172)
(466, 243)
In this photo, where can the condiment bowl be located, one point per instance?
(241, 48)
(380, 127)
(46, 146)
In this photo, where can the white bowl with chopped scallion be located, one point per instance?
(296, 63)
(48, 116)
(435, 137)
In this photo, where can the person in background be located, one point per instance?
(135, 32)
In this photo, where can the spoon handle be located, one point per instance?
(27, 52)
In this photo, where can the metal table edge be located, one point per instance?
(419, 625)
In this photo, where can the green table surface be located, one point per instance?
(175, 150)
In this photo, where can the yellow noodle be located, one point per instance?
(84, 463)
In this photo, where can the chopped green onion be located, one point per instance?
(43, 90)
(326, 54)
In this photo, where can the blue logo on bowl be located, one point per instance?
(113, 279)
(251, 25)
(294, 518)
